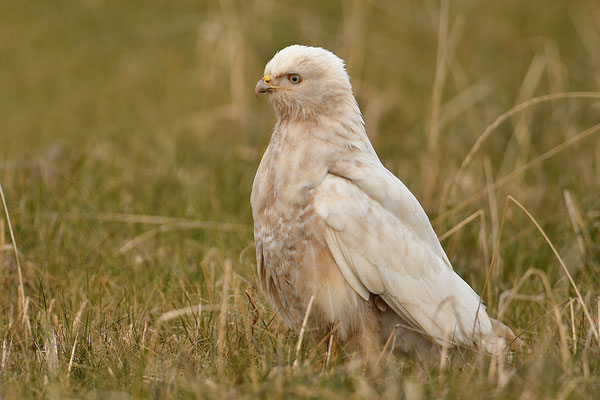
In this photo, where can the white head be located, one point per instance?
(305, 83)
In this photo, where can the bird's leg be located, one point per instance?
(366, 342)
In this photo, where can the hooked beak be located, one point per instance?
(265, 86)
(262, 87)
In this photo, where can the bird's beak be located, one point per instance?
(261, 87)
(265, 86)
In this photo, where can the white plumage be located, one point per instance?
(330, 221)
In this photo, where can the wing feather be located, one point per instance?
(377, 252)
(367, 172)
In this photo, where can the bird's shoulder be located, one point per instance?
(370, 180)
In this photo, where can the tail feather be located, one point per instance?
(503, 338)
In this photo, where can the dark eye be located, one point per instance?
(294, 79)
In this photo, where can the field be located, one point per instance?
(129, 138)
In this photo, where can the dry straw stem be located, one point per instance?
(577, 222)
(562, 264)
(530, 272)
(14, 245)
(436, 98)
(179, 226)
(2, 241)
(493, 203)
(167, 224)
(440, 77)
(489, 271)
(386, 346)
(573, 325)
(254, 308)
(518, 108)
(73, 353)
(525, 167)
(77, 319)
(301, 336)
(479, 213)
(513, 294)
(329, 350)
(584, 356)
(324, 339)
(150, 220)
(508, 114)
(444, 352)
(5, 354)
(223, 317)
(555, 308)
(169, 315)
(118, 217)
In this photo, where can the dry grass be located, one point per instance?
(129, 137)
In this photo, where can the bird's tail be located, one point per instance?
(502, 339)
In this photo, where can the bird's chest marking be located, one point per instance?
(286, 255)
(287, 235)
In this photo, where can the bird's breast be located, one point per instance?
(285, 181)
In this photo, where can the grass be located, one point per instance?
(129, 138)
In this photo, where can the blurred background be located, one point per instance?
(130, 134)
(160, 91)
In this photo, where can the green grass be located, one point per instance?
(113, 112)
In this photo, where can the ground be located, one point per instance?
(129, 138)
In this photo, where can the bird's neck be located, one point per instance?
(340, 124)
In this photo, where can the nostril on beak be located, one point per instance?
(267, 79)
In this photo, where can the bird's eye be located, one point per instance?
(294, 79)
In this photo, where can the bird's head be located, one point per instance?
(305, 82)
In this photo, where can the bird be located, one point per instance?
(339, 236)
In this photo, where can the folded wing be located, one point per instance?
(368, 174)
(380, 253)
